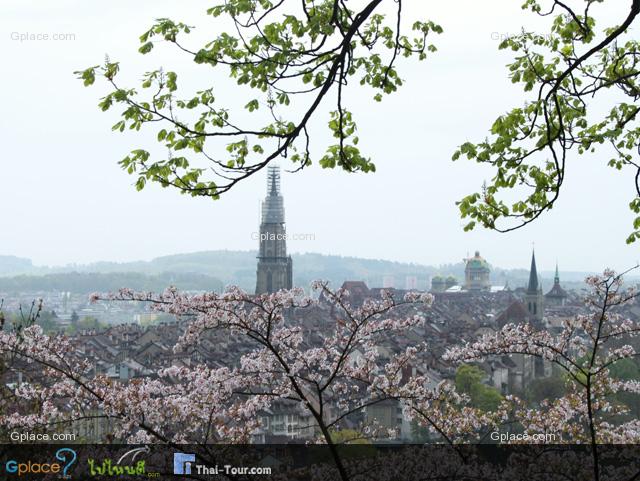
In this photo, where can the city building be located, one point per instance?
(411, 283)
(438, 284)
(450, 282)
(275, 269)
(557, 296)
(534, 300)
(514, 373)
(285, 421)
(476, 273)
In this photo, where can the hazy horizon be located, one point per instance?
(543, 268)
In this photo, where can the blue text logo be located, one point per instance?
(182, 463)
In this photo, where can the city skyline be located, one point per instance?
(276, 225)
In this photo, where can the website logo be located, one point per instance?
(66, 455)
(110, 467)
(182, 463)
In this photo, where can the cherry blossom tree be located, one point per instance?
(340, 375)
(585, 348)
(199, 404)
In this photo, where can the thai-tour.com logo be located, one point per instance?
(64, 459)
(182, 463)
(185, 463)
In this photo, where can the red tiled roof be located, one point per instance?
(516, 312)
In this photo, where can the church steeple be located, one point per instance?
(533, 298)
(557, 296)
(534, 284)
(273, 204)
(274, 181)
(274, 265)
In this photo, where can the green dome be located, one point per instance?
(477, 263)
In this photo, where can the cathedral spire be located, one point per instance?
(533, 286)
(533, 297)
(273, 204)
(273, 181)
(556, 278)
(274, 265)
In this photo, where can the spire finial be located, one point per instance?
(273, 205)
(273, 180)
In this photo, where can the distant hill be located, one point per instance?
(88, 282)
(11, 266)
(230, 267)
(213, 269)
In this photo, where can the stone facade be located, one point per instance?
(477, 273)
(534, 300)
(275, 269)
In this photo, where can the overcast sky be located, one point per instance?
(64, 199)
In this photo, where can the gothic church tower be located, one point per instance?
(274, 266)
(534, 299)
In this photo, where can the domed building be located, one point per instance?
(476, 274)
